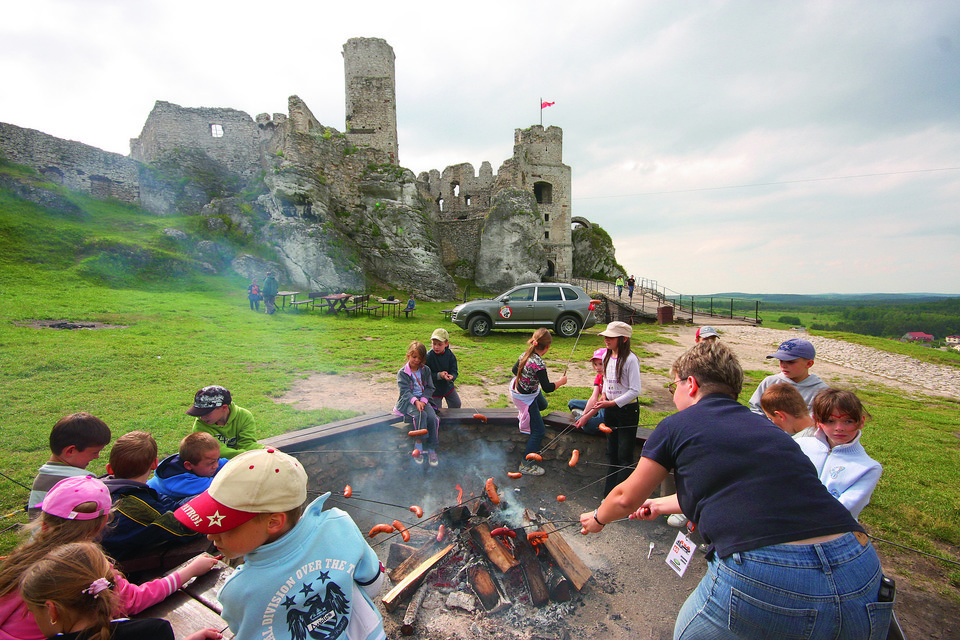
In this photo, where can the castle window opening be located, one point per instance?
(440, 204)
(456, 189)
(552, 270)
(546, 235)
(216, 130)
(467, 200)
(546, 217)
(543, 191)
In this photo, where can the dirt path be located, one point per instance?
(625, 604)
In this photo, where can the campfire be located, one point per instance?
(484, 553)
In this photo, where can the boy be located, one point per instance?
(706, 333)
(143, 520)
(189, 472)
(218, 415)
(796, 357)
(587, 417)
(786, 408)
(315, 563)
(844, 467)
(443, 369)
(75, 441)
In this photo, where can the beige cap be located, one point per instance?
(257, 481)
(441, 335)
(616, 329)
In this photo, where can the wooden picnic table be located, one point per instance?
(283, 295)
(394, 307)
(332, 301)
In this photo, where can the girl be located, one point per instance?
(70, 593)
(621, 387)
(531, 375)
(253, 293)
(76, 510)
(416, 387)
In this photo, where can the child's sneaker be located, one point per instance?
(530, 469)
(418, 448)
(677, 520)
(433, 459)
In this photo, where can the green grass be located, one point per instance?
(183, 332)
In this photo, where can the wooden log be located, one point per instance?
(558, 585)
(482, 584)
(410, 617)
(413, 580)
(530, 564)
(414, 560)
(498, 554)
(566, 560)
(398, 553)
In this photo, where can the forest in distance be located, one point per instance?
(881, 315)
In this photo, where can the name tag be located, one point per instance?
(680, 553)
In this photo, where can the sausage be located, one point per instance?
(347, 491)
(380, 528)
(480, 417)
(561, 498)
(441, 533)
(535, 456)
(503, 531)
(514, 474)
(417, 510)
(402, 529)
(416, 433)
(415, 453)
(605, 428)
(492, 491)
(536, 537)
(574, 458)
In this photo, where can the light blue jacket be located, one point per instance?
(848, 473)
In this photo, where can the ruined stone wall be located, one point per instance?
(459, 192)
(229, 136)
(371, 95)
(74, 165)
(460, 245)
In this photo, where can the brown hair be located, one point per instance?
(417, 347)
(194, 445)
(66, 577)
(784, 397)
(623, 352)
(541, 338)
(714, 366)
(838, 401)
(81, 430)
(132, 454)
(48, 532)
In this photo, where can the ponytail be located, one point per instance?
(541, 338)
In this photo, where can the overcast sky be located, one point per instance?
(756, 146)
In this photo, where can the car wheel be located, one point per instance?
(568, 326)
(479, 326)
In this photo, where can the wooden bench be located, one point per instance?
(315, 300)
(408, 311)
(375, 308)
(357, 305)
(297, 304)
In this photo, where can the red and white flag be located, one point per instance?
(544, 104)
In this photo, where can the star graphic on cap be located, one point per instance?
(324, 576)
(307, 589)
(216, 519)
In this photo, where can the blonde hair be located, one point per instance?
(194, 445)
(714, 366)
(69, 577)
(49, 532)
(784, 397)
(133, 454)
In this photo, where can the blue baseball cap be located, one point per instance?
(795, 348)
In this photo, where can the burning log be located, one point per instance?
(410, 617)
(567, 561)
(558, 585)
(498, 554)
(413, 561)
(399, 553)
(530, 564)
(456, 516)
(483, 585)
(413, 579)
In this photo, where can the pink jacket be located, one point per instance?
(17, 623)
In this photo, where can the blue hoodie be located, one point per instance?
(172, 479)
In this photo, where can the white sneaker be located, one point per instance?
(530, 469)
(576, 414)
(677, 520)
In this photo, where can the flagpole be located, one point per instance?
(541, 111)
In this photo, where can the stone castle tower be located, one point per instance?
(371, 94)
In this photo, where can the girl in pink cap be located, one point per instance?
(76, 510)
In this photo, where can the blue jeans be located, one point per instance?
(620, 443)
(807, 592)
(537, 428)
(593, 424)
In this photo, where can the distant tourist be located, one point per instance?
(796, 356)
(270, 289)
(619, 286)
(253, 294)
(631, 282)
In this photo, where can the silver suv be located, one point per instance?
(561, 307)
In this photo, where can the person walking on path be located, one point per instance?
(619, 286)
(631, 282)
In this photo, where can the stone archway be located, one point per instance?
(579, 220)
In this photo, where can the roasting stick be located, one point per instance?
(580, 333)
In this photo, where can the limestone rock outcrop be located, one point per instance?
(593, 254)
(511, 250)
